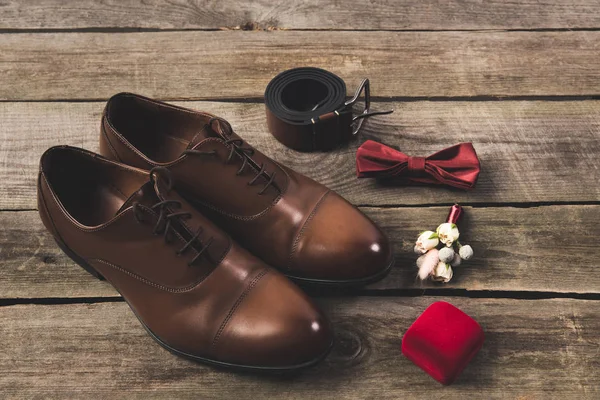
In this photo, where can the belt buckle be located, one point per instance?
(359, 119)
(364, 85)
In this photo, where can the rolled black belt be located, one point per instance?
(307, 109)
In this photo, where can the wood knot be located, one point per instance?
(348, 346)
(250, 26)
(48, 259)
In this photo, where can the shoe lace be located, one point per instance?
(164, 224)
(246, 153)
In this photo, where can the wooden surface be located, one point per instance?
(520, 80)
(535, 349)
(236, 64)
(299, 14)
(531, 151)
(528, 253)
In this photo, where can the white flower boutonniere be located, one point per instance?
(437, 264)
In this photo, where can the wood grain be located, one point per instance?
(531, 151)
(517, 249)
(233, 64)
(296, 14)
(538, 349)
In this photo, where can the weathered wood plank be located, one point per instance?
(213, 65)
(296, 14)
(530, 151)
(551, 249)
(542, 349)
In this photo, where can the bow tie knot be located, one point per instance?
(416, 164)
(456, 166)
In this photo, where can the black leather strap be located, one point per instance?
(307, 109)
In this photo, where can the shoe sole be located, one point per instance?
(343, 283)
(215, 363)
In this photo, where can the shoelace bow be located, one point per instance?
(245, 153)
(165, 217)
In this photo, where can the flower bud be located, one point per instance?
(447, 233)
(446, 254)
(465, 252)
(426, 241)
(442, 272)
(456, 261)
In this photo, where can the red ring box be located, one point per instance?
(442, 341)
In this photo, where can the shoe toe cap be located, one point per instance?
(339, 243)
(274, 326)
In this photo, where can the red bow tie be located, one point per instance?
(456, 166)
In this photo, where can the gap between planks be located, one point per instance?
(525, 204)
(403, 99)
(17, 31)
(332, 293)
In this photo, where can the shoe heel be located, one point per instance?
(80, 261)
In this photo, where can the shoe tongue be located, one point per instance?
(145, 195)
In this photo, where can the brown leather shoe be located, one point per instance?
(288, 220)
(197, 293)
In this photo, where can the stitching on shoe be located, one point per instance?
(77, 224)
(170, 164)
(96, 157)
(129, 145)
(151, 101)
(110, 145)
(73, 221)
(223, 212)
(149, 282)
(237, 304)
(304, 226)
(164, 104)
(234, 216)
(43, 198)
(220, 141)
(202, 203)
